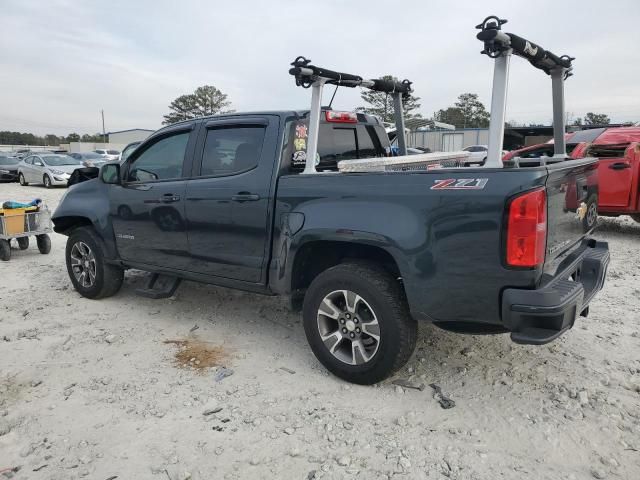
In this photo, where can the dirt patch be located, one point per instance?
(197, 354)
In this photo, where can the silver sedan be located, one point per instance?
(47, 169)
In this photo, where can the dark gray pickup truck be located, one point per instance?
(219, 200)
(239, 201)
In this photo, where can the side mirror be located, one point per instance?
(38, 164)
(110, 173)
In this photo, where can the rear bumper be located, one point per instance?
(542, 315)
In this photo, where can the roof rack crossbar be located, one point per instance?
(500, 46)
(311, 76)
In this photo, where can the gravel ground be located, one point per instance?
(90, 389)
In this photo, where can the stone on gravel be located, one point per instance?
(110, 338)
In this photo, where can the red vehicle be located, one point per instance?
(618, 170)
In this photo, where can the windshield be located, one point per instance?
(128, 149)
(8, 161)
(59, 160)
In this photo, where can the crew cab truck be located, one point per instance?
(225, 200)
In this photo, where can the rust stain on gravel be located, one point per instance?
(197, 354)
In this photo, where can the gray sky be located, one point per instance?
(62, 61)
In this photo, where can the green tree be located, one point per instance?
(73, 137)
(596, 119)
(380, 104)
(205, 100)
(467, 112)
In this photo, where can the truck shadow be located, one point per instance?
(461, 363)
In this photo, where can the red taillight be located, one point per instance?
(527, 229)
(341, 117)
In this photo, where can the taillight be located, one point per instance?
(341, 117)
(527, 229)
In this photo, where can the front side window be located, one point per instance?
(231, 150)
(162, 160)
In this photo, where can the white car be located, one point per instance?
(108, 154)
(477, 154)
(49, 169)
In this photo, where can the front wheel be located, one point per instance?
(23, 243)
(44, 243)
(357, 322)
(22, 181)
(5, 250)
(47, 181)
(91, 276)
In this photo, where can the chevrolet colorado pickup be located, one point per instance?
(223, 200)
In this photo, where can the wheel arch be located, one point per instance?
(316, 256)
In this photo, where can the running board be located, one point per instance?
(159, 286)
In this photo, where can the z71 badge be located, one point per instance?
(460, 184)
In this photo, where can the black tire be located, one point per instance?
(590, 219)
(108, 278)
(47, 181)
(5, 250)
(22, 181)
(44, 243)
(636, 217)
(384, 294)
(23, 242)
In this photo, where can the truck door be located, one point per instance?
(228, 200)
(147, 210)
(615, 175)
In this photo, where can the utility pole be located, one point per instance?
(104, 136)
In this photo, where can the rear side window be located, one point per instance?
(336, 143)
(231, 150)
(162, 160)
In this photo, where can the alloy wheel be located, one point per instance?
(83, 264)
(348, 327)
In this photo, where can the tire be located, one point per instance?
(5, 250)
(84, 254)
(381, 298)
(590, 219)
(23, 242)
(47, 181)
(44, 243)
(21, 180)
(636, 217)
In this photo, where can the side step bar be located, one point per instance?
(159, 286)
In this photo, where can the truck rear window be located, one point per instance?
(335, 143)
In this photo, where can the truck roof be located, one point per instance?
(362, 117)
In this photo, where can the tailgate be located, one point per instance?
(571, 186)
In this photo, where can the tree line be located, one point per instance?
(467, 112)
(20, 138)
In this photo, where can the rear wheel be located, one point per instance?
(47, 181)
(5, 250)
(23, 243)
(590, 219)
(44, 243)
(357, 322)
(22, 180)
(91, 276)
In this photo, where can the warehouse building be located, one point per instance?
(124, 137)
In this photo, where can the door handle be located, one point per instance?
(245, 197)
(619, 166)
(170, 198)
